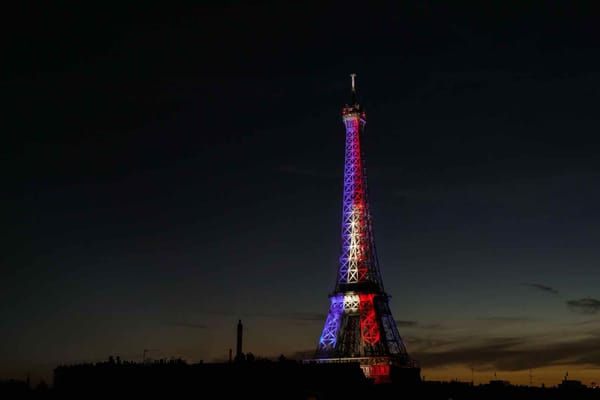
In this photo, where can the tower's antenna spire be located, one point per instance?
(353, 76)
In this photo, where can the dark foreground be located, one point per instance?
(264, 380)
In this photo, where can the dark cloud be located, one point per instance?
(417, 325)
(586, 305)
(187, 325)
(406, 323)
(306, 316)
(429, 343)
(294, 316)
(543, 288)
(512, 354)
(297, 316)
(497, 321)
(586, 322)
(431, 326)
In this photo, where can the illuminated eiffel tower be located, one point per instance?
(360, 327)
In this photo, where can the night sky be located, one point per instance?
(170, 171)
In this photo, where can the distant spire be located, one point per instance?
(238, 350)
(353, 76)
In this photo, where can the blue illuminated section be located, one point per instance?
(332, 324)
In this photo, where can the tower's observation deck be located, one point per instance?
(360, 326)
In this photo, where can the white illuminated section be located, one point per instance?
(354, 256)
(351, 303)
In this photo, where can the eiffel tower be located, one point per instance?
(360, 327)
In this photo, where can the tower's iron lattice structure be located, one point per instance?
(360, 326)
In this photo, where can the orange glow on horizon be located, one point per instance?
(548, 376)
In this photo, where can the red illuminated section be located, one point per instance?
(361, 247)
(369, 328)
(379, 373)
(359, 228)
